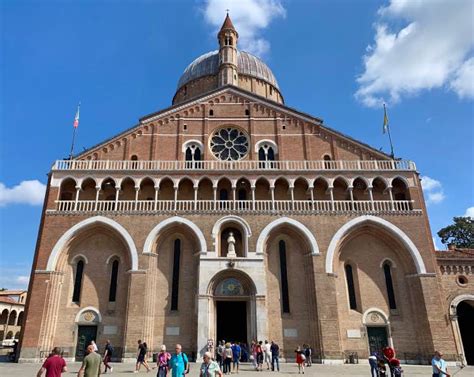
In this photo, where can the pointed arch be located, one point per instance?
(96, 220)
(384, 224)
(147, 248)
(287, 221)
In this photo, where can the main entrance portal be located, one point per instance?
(231, 321)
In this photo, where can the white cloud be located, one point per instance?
(23, 280)
(433, 190)
(463, 83)
(27, 192)
(249, 17)
(432, 49)
(469, 212)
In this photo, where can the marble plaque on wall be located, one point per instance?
(353, 333)
(172, 330)
(290, 333)
(110, 330)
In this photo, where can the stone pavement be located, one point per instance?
(27, 370)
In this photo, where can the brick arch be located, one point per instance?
(176, 220)
(314, 248)
(97, 220)
(384, 224)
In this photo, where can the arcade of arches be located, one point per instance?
(186, 287)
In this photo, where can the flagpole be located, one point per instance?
(392, 154)
(76, 124)
(72, 144)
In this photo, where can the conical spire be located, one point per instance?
(228, 25)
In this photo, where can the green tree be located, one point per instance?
(461, 233)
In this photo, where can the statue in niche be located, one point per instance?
(231, 246)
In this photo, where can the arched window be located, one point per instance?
(351, 287)
(12, 319)
(266, 152)
(134, 157)
(17, 335)
(242, 194)
(113, 281)
(9, 335)
(76, 295)
(175, 283)
(389, 283)
(327, 163)
(20, 319)
(192, 153)
(3, 317)
(211, 112)
(285, 298)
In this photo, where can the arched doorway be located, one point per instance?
(462, 313)
(87, 321)
(233, 299)
(378, 330)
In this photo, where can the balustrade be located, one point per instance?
(244, 206)
(212, 165)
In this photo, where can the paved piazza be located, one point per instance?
(24, 370)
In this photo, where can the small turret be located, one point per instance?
(227, 38)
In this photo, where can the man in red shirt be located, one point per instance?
(54, 365)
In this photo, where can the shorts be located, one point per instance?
(236, 360)
(140, 358)
(268, 357)
(259, 358)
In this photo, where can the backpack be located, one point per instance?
(186, 364)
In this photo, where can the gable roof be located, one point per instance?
(249, 95)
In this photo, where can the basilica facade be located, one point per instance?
(230, 215)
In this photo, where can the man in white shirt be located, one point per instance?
(267, 353)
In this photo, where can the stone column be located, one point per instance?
(157, 193)
(97, 189)
(261, 320)
(204, 324)
(78, 190)
(135, 314)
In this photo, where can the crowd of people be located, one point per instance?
(225, 359)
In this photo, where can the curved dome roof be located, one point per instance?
(208, 64)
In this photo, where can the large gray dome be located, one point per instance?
(208, 64)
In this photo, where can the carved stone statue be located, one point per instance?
(231, 246)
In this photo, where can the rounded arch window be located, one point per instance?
(230, 287)
(229, 144)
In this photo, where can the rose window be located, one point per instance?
(229, 144)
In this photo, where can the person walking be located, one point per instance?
(267, 354)
(219, 352)
(91, 364)
(227, 358)
(209, 367)
(300, 359)
(440, 369)
(96, 349)
(141, 357)
(259, 351)
(373, 364)
(179, 363)
(308, 352)
(109, 350)
(253, 354)
(236, 354)
(162, 362)
(275, 350)
(54, 365)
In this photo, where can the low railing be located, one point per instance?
(257, 206)
(234, 165)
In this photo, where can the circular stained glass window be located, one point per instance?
(229, 144)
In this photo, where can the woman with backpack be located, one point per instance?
(300, 359)
(162, 362)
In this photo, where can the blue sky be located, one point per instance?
(334, 59)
